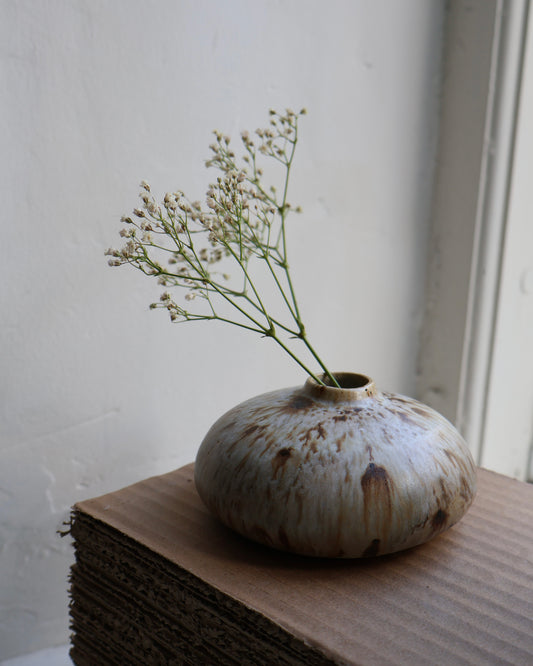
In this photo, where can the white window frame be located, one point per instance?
(475, 366)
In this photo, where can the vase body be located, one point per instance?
(329, 472)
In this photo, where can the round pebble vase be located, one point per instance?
(335, 472)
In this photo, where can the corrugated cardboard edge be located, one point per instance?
(131, 605)
(466, 596)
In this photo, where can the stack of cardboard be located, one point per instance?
(158, 581)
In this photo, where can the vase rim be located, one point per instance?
(354, 386)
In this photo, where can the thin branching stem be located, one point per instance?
(238, 227)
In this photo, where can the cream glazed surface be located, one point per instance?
(330, 472)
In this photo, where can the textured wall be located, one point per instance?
(96, 391)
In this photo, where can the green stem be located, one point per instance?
(237, 294)
(264, 254)
(249, 280)
(216, 317)
(246, 314)
(295, 358)
(283, 213)
(331, 377)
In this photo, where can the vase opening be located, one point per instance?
(347, 380)
(353, 386)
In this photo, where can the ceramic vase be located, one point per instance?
(335, 472)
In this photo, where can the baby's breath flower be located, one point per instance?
(242, 222)
(152, 208)
(216, 255)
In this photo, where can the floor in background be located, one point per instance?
(57, 656)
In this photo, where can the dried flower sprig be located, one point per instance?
(180, 243)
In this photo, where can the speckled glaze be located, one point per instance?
(330, 472)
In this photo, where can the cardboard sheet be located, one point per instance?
(464, 598)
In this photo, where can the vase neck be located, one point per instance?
(353, 387)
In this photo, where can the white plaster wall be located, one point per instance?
(97, 391)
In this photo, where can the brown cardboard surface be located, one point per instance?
(464, 598)
(132, 606)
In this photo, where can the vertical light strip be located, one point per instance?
(493, 196)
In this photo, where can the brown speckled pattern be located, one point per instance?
(335, 472)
